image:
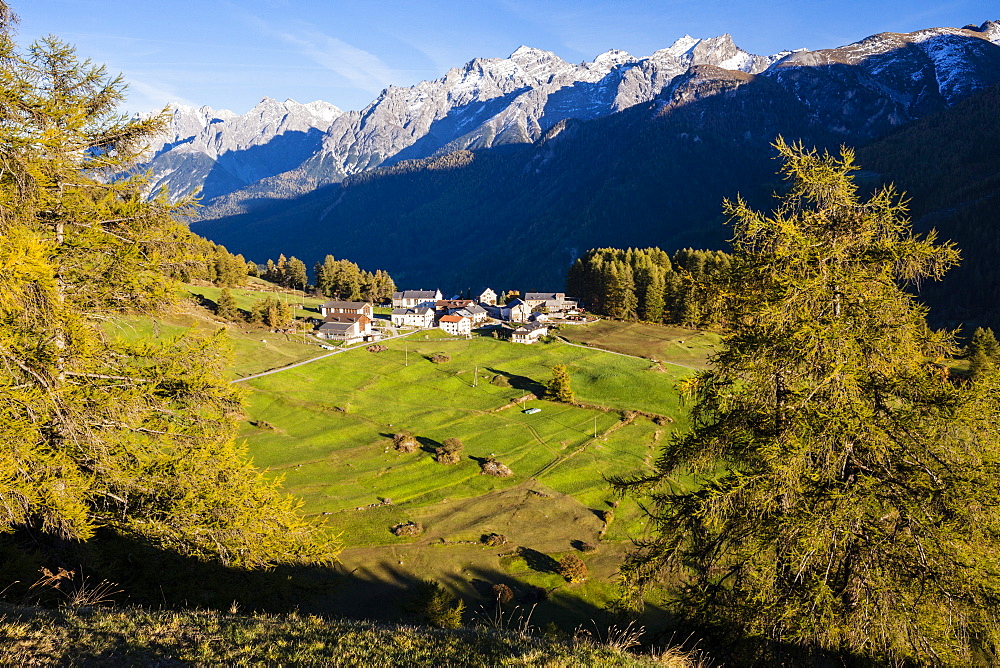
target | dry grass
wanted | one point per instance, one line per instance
(128, 637)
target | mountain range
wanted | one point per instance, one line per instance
(503, 171)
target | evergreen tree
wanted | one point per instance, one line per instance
(133, 436)
(296, 275)
(983, 352)
(558, 388)
(226, 307)
(848, 487)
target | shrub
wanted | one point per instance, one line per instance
(440, 358)
(606, 515)
(450, 451)
(500, 381)
(408, 529)
(495, 468)
(494, 539)
(572, 568)
(502, 594)
(437, 607)
(405, 442)
(587, 547)
(376, 348)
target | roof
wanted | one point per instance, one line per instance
(531, 326)
(351, 305)
(416, 294)
(546, 296)
(474, 309)
(452, 303)
(452, 318)
(516, 302)
(486, 290)
(336, 326)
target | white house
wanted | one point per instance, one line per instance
(475, 311)
(529, 333)
(485, 296)
(456, 325)
(552, 301)
(348, 332)
(414, 298)
(421, 316)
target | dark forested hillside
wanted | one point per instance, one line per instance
(949, 167)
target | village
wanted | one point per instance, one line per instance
(522, 319)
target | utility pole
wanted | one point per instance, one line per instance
(475, 377)
(595, 425)
(406, 352)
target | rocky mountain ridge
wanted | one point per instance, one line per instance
(487, 102)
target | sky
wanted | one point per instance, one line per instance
(229, 54)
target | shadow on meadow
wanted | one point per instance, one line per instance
(522, 383)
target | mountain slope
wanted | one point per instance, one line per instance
(652, 174)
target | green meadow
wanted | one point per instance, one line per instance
(326, 427)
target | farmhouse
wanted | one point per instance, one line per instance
(414, 298)
(449, 306)
(550, 301)
(356, 308)
(421, 316)
(475, 311)
(456, 325)
(485, 296)
(347, 332)
(529, 333)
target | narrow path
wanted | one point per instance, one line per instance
(320, 357)
(613, 352)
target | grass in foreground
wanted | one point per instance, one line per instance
(128, 637)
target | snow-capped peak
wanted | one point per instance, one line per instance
(682, 46)
(614, 57)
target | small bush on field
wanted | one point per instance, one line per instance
(440, 358)
(376, 348)
(606, 515)
(494, 539)
(572, 568)
(494, 468)
(405, 442)
(587, 547)
(408, 529)
(502, 593)
(500, 381)
(261, 424)
(436, 607)
(449, 452)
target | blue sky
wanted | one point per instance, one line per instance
(229, 54)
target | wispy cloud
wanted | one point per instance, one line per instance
(144, 96)
(359, 67)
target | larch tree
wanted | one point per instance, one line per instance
(558, 387)
(847, 488)
(95, 430)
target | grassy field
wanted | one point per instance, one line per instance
(255, 349)
(327, 428)
(668, 343)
